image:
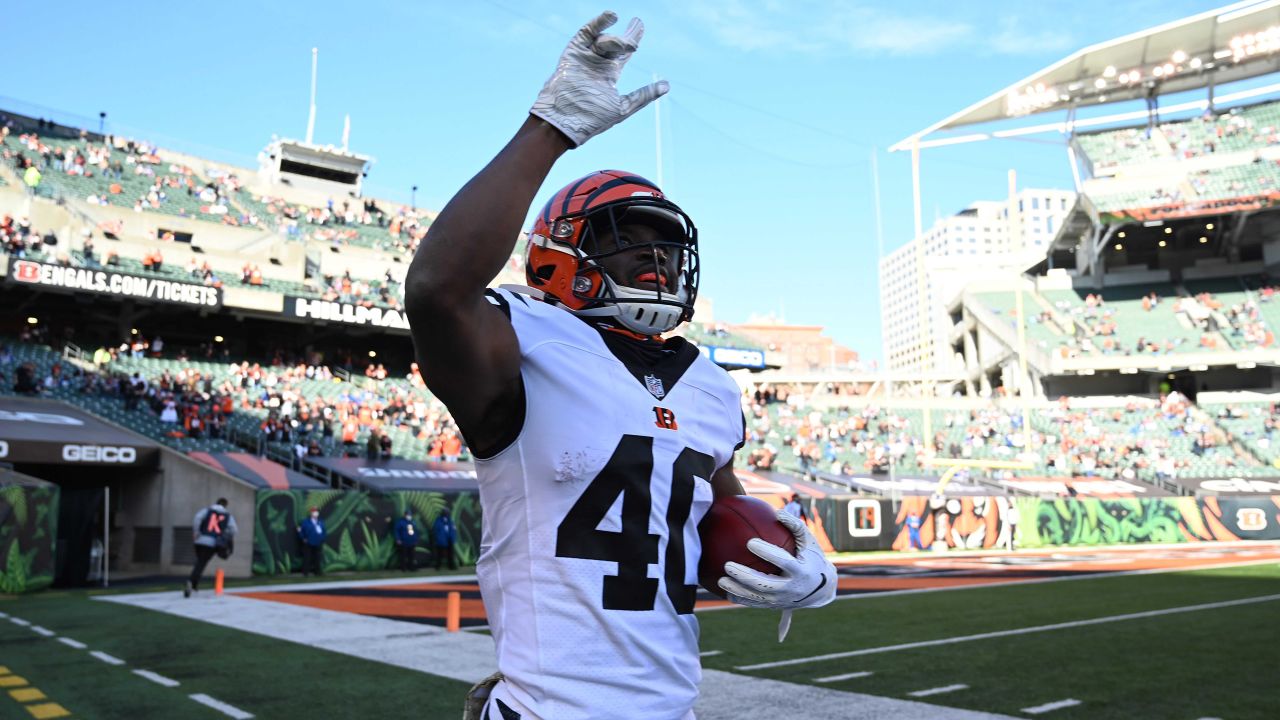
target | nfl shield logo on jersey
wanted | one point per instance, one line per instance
(655, 386)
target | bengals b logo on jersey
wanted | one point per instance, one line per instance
(665, 419)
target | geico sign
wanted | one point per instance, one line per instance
(98, 453)
(4, 449)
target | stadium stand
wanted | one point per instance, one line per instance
(1142, 439)
(1241, 129)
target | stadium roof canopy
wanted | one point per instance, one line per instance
(1232, 43)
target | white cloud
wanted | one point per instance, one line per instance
(838, 28)
(1012, 38)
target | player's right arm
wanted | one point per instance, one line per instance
(465, 346)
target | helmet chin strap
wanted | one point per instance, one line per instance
(641, 315)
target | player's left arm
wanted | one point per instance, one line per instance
(805, 580)
(725, 481)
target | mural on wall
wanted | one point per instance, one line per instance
(1147, 520)
(28, 533)
(972, 523)
(359, 526)
(968, 523)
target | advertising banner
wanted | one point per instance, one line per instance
(1231, 486)
(108, 282)
(400, 474)
(348, 313)
(734, 357)
(54, 433)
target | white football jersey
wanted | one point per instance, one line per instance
(589, 556)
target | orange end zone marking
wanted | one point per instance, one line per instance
(472, 609)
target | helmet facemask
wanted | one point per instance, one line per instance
(641, 310)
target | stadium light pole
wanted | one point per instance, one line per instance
(413, 197)
(922, 299)
(657, 124)
(102, 122)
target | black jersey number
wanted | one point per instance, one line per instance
(629, 473)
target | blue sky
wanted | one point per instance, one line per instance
(768, 132)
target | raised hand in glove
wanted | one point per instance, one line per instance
(581, 98)
(807, 579)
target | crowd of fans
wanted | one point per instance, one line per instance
(1210, 133)
(1093, 325)
(1144, 441)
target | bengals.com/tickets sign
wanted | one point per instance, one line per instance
(106, 282)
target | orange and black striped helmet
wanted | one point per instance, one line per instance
(563, 252)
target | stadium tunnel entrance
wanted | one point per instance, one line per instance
(124, 500)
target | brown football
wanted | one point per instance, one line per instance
(725, 530)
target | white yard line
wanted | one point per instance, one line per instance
(1030, 581)
(225, 709)
(353, 583)
(939, 690)
(4, 615)
(19, 621)
(709, 653)
(108, 659)
(846, 676)
(72, 643)
(1050, 707)
(156, 678)
(42, 631)
(1016, 631)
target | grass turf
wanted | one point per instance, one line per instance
(1211, 663)
(269, 678)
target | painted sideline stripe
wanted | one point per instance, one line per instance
(846, 676)
(72, 643)
(939, 690)
(709, 653)
(4, 615)
(19, 621)
(225, 709)
(1050, 707)
(1016, 631)
(42, 631)
(156, 678)
(108, 659)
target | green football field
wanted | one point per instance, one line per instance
(1198, 644)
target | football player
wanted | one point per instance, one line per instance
(598, 445)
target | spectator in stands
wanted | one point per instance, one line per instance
(372, 448)
(384, 444)
(24, 380)
(213, 531)
(406, 533)
(445, 535)
(311, 536)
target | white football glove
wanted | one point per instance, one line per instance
(581, 99)
(807, 579)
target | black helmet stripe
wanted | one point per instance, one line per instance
(568, 196)
(627, 180)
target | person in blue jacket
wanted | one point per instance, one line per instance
(407, 534)
(445, 534)
(312, 534)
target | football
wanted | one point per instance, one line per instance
(725, 530)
